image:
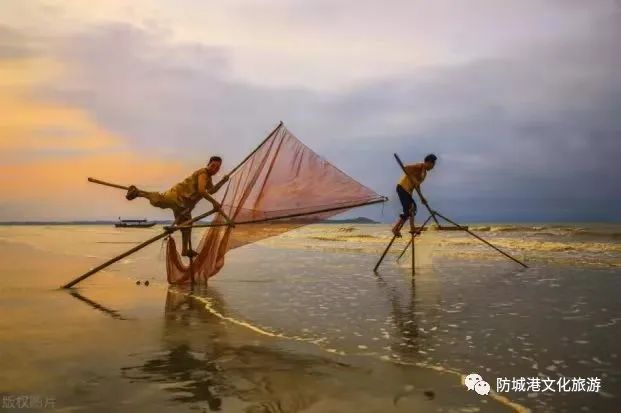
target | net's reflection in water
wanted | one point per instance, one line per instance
(207, 362)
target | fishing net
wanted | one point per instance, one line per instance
(281, 186)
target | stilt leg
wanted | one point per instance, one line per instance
(420, 230)
(191, 262)
(413, 234)
(384, 253)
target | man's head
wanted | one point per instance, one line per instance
(214, 164)
(430, 161)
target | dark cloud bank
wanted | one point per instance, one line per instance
(529, 136)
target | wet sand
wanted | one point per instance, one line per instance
(300, 323)
(115, 346)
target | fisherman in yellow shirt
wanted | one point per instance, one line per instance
(183, 197)
(416, 174)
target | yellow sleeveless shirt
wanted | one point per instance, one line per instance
(417, 172)
(186, 192)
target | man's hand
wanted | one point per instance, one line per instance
(219, 185)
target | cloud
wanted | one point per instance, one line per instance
(523, 133)
(47, 149)
(57, 188)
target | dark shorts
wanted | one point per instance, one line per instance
(166, 200)
(407, 202)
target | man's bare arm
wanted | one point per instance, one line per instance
(420, 194)
(215, 188)
(206, 190)
(412, 170)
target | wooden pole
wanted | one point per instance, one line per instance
(300, 214)
(100, 182)
(257, 148)
(191, 261)
(384, 253)
(412, 241)
(417, 233)
(211, 199)
(168, 231)
(482, 240)
(171, 229)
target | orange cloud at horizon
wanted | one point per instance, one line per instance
(47, 150)
(29, 125)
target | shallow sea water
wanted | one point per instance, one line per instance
(307, 304)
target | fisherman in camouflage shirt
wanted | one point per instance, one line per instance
(183, 197)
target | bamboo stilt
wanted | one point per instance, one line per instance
(384, 253)
(432, 215)
(417, 233)
(412, 242)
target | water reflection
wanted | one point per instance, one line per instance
(413, 311)
(108, 311)
(189, 374)
(207, 361)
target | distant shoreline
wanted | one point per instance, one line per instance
(359, 220)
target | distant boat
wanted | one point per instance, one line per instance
(134, 223)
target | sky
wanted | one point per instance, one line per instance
(520, 100)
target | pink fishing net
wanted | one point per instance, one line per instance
(283, 185)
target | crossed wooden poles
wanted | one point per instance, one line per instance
(216, 208)
(432, 215)
(168, 230)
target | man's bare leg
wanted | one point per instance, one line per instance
(158, 200)
(396, 229)
(186, 250)
(186, 233)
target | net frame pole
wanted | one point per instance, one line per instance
(232, 171)
(296, 215)
(482, 240)
(167, 231)
(189, 224)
